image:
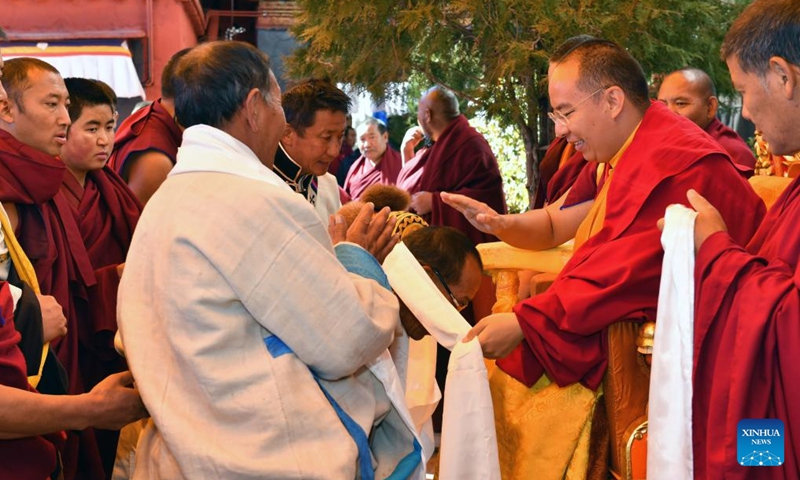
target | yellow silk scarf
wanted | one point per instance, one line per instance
(27, 274)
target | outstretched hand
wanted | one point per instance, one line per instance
(480, 215)
(370, 230)
(498, 334)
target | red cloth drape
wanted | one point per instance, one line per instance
(747, 332)
(149, 128)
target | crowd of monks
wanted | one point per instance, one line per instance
(74, 186)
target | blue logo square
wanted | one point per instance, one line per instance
(760, 442)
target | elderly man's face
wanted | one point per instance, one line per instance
(587, 125)
(319, 144)
(764, 103)
(41, 119)
(684, 98)
(372, 143)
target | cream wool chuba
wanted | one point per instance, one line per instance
(215, 262)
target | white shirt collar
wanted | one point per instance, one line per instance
(208, 149)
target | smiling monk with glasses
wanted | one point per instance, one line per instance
(559, 340)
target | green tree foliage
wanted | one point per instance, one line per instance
(506, 145)
(493, 53)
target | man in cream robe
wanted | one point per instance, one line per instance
(238, 320)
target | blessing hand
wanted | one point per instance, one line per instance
(480, 215)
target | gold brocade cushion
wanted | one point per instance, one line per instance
(542, 431)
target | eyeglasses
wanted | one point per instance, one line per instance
(456, 303)
(563, 117)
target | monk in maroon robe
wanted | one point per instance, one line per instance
(47, 230)
(614, 274)
(32, 425)
(105, 212)
(146, 144)
(459, 161)
(747, 308)
(690, 93)
(563, 326)
(615, 270)
(149, 128)
(379, 163)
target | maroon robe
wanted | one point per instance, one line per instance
(31, 458)
(51, 238)
(567, 175)
(459, 162)
(556, 179)
(747, 332)
(615, 275)
(733, 144)
(362, 173)
(149, 128)
(106, 212)
(548, 166)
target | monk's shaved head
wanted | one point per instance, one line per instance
(699, 79)
(442, 101)
(438, 107)
(690, 93)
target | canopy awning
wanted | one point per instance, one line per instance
(106, 60)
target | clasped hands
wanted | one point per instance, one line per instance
(370, 230)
